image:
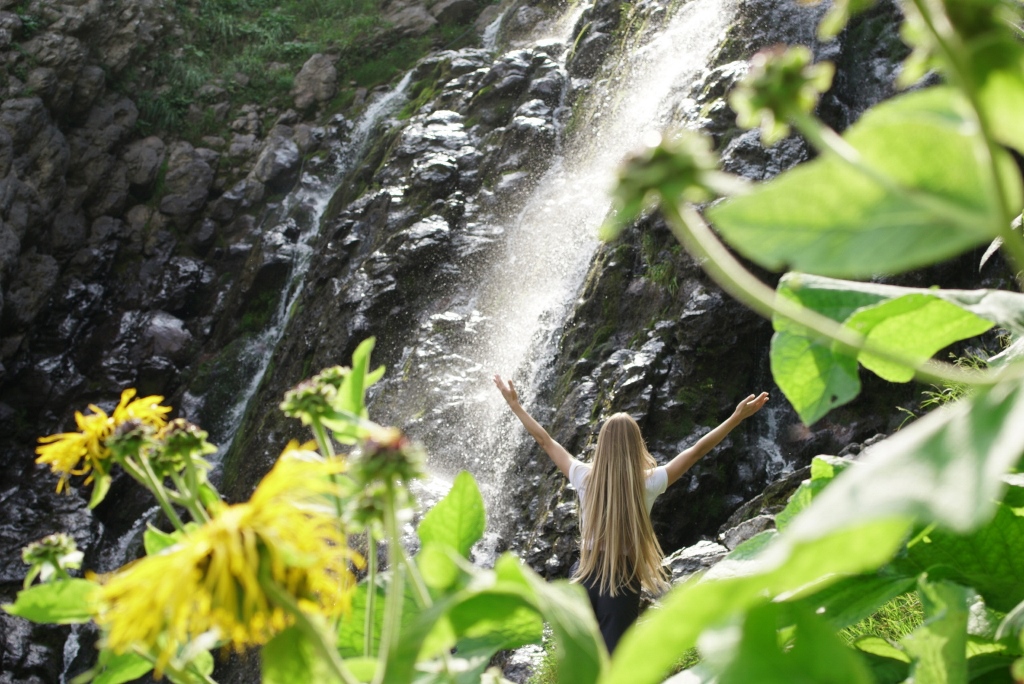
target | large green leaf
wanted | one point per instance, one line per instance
(579, 648)
(816, 654)
(117, 669)
(824, 469)
(998, 68)
(352, 630)
(788, 564)
(831, 218)
(813, 377)
(63, 602)
(939, 646)
(989, 559)
(917, 325)
(457, 520)
(817, 375)
(947, 467)
(513, 591)
(291, 658)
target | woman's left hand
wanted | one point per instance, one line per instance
(750, 405)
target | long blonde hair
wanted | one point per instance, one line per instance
(618, 547)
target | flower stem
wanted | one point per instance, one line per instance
(371, 592)
(396, 591)
(144, 475)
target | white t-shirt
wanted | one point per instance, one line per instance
(657, 482)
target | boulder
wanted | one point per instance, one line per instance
(316, 82)
(187, 181)
(278, 165)
(143, 159)
(410, 21)
(453, 11)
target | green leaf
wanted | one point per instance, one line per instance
(495, 621)
(818, 375)
(813, 377)
(916, 325)
(156, 540)
(946, 467)
(823, 470)
(939, 646)
(352, 630)
(352, 393)
(852, 599)
(64, 602)
(989, 559)
(438, 569)
(997, 64)
(791, 563)
(290, 658)
(100, 487)
(117, 669)
(888, 664)
(457, 520)
(831, 218)
(816, 654)
(579, 648)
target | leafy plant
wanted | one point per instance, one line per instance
(276, 572)
(935, 508)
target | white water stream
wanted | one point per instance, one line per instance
(524, 295)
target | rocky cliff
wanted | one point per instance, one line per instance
(137, 260)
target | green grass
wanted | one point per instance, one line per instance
(267, 42)
(893, 621)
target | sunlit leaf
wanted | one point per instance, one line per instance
(291, 658)
(997, 64)
(917, 326)
(823, 470)
(816, 654)
(817, 375)
(946, 467)
(117, 669)
(830, 218)
(648, 650)
(63, 602)
(457, 520)
(155, 540)
(852, 599)
(989, 559)
(939, 646)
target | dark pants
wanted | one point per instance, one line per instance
(614, 613)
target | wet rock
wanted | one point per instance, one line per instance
(453, 11)
(409, 19)
(735, 536)
(697, 558)
(143, 159)
(316, 82)
(166, 335)
(187, 181)
(278, 165)
(30, 288)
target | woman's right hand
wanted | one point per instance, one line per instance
(507, 390)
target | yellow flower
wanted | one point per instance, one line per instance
(78, 453)
(286, 534)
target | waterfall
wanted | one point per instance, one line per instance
(507, 320)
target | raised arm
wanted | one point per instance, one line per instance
(555, 451)
(686, 458)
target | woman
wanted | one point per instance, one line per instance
(619, 553)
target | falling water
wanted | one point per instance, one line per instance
(511, 318)
(300, 212)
